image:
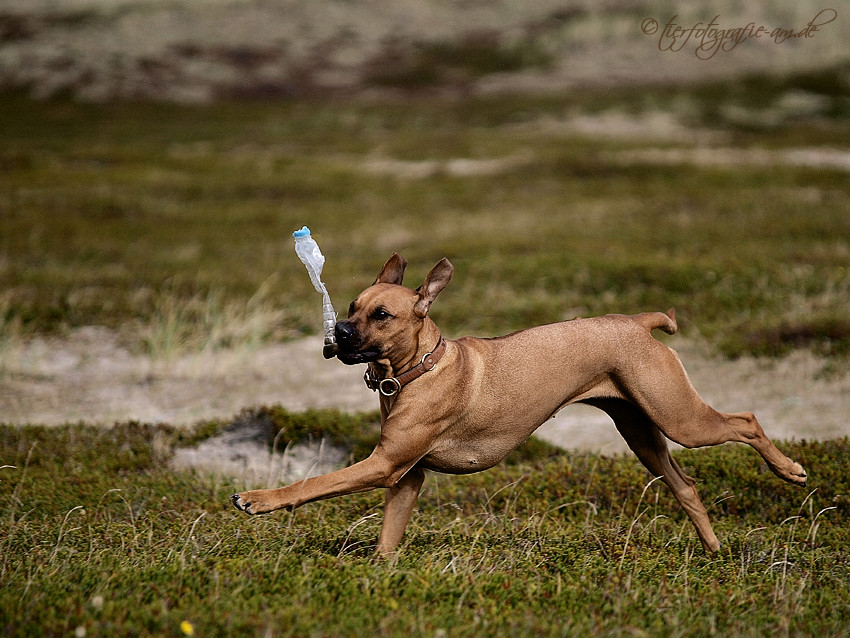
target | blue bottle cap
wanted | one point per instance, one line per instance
(304, 232)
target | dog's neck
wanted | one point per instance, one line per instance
(427, 339)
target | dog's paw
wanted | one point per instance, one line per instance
(793, 473)
(259, 501)
(240, 504)
(798, 474)
(245, 503)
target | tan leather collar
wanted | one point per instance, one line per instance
(392, 385)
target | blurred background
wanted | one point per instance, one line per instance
(570, 161)
(196, 51)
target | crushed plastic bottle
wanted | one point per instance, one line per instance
(308, 252)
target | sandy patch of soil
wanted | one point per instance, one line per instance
(90, 376)
(244, 451)
(832, 158)
(454, 167)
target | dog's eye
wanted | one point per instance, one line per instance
(380, 314)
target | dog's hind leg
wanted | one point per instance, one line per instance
(670, 401)
(398, 506)
(650, 446)
(747, 429)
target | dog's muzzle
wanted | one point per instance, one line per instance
(350, 346)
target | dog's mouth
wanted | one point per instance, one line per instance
(362, 356)
(350, 346)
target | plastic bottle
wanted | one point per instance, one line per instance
(308, 252)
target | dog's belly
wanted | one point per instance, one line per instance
(463, 459)
(464, 451)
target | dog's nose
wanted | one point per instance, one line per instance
(343, 331)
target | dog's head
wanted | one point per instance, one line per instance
(386, 317)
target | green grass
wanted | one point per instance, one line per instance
(97, 532)
(174, 223)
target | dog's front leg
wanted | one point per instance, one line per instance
(369, 474)
(398, 506)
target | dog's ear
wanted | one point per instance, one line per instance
(435, 281)
(393, 270)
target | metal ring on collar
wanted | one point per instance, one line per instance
(428, 363)
(394, 388)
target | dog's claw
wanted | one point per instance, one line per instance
(236, 499)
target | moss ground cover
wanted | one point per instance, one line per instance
(100, 535)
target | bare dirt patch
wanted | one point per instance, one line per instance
(245, 451)
(831, 158)
(455, 167)
(92, 376)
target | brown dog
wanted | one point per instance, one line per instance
(471, 401)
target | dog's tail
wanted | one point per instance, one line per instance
(653, 320)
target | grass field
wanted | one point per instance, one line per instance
(99, 537)
(172, 226)
(177, 221)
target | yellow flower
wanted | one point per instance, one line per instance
(187, 628)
